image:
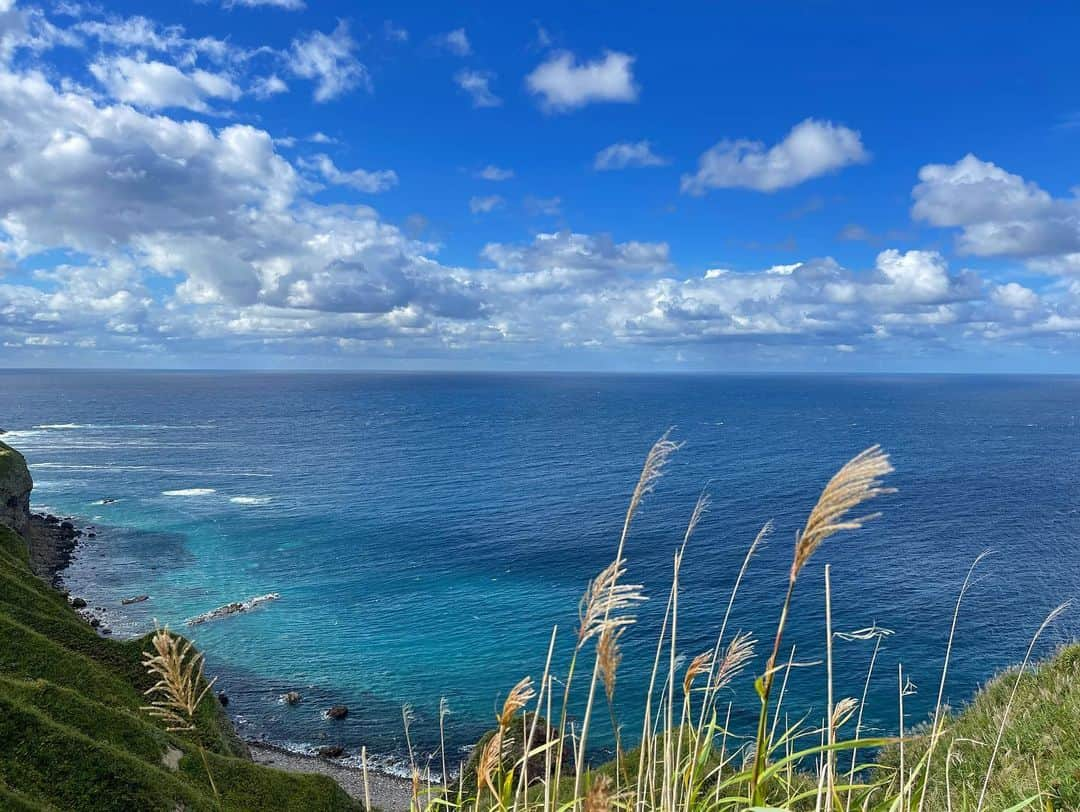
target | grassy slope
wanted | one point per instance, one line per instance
(71, 733)
(10, 459)
(1039, 751)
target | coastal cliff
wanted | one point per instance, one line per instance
(15, 486)
(74, 734)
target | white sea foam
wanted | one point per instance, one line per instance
(151, 468)
(190, 492)
(251, 500)
(61, 426)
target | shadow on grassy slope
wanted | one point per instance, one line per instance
(72, 735)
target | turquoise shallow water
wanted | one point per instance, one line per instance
(425, 532)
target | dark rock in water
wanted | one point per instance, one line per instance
(337, 712)
(105, 630)
(223, 698)
(292, 698)
(91, 535)
(136, 599)
(95, 622)
(78, 603)
(107, 501)
(331, 751)
(51, 519)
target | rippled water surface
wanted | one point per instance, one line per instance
(425, 532)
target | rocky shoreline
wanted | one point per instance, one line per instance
(52, 542)
(387, 792)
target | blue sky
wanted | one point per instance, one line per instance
(779, 186)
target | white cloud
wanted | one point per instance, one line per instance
(195, 240)
(265, 87)
(999, 213)
(567, 261)
(359, 179)
(217, 211)
(495, 173)
(29, 29)
(137, 36)
(626, 155)
(813, 148)
(1015, 296)
(456, 42)
(485, 204)
(288, 5)
(564, 85)
(330, 61)
(478, 85)
(156, 85)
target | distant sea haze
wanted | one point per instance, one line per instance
(426, 532)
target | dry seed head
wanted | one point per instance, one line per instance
(843, 711)
(651, 471)
(604, 599)
(737, 655)
(520, 695)
(698, 666)
(600, 796)
(490, 762)
(179, 669)
(760, 539)
(700, 509)
(609, 656)
(857, 482)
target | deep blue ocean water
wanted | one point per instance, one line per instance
(426, 531)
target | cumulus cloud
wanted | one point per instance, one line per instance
(998, 213)
(485, 204)
(359, 179)
(330, 61)
(456, 42)
(1015, 296)
(265, 87)
(157, 85)
(813, 148)
(478, 85)
(179, 238)
(29, 29)
(568, 261)
(563, 85)
(625, 155)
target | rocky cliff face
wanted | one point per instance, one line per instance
(15, 485)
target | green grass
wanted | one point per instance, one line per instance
(72, 735)
(13, 469)
(1040, 745)
(10, 461)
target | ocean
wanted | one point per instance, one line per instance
(425, 532)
